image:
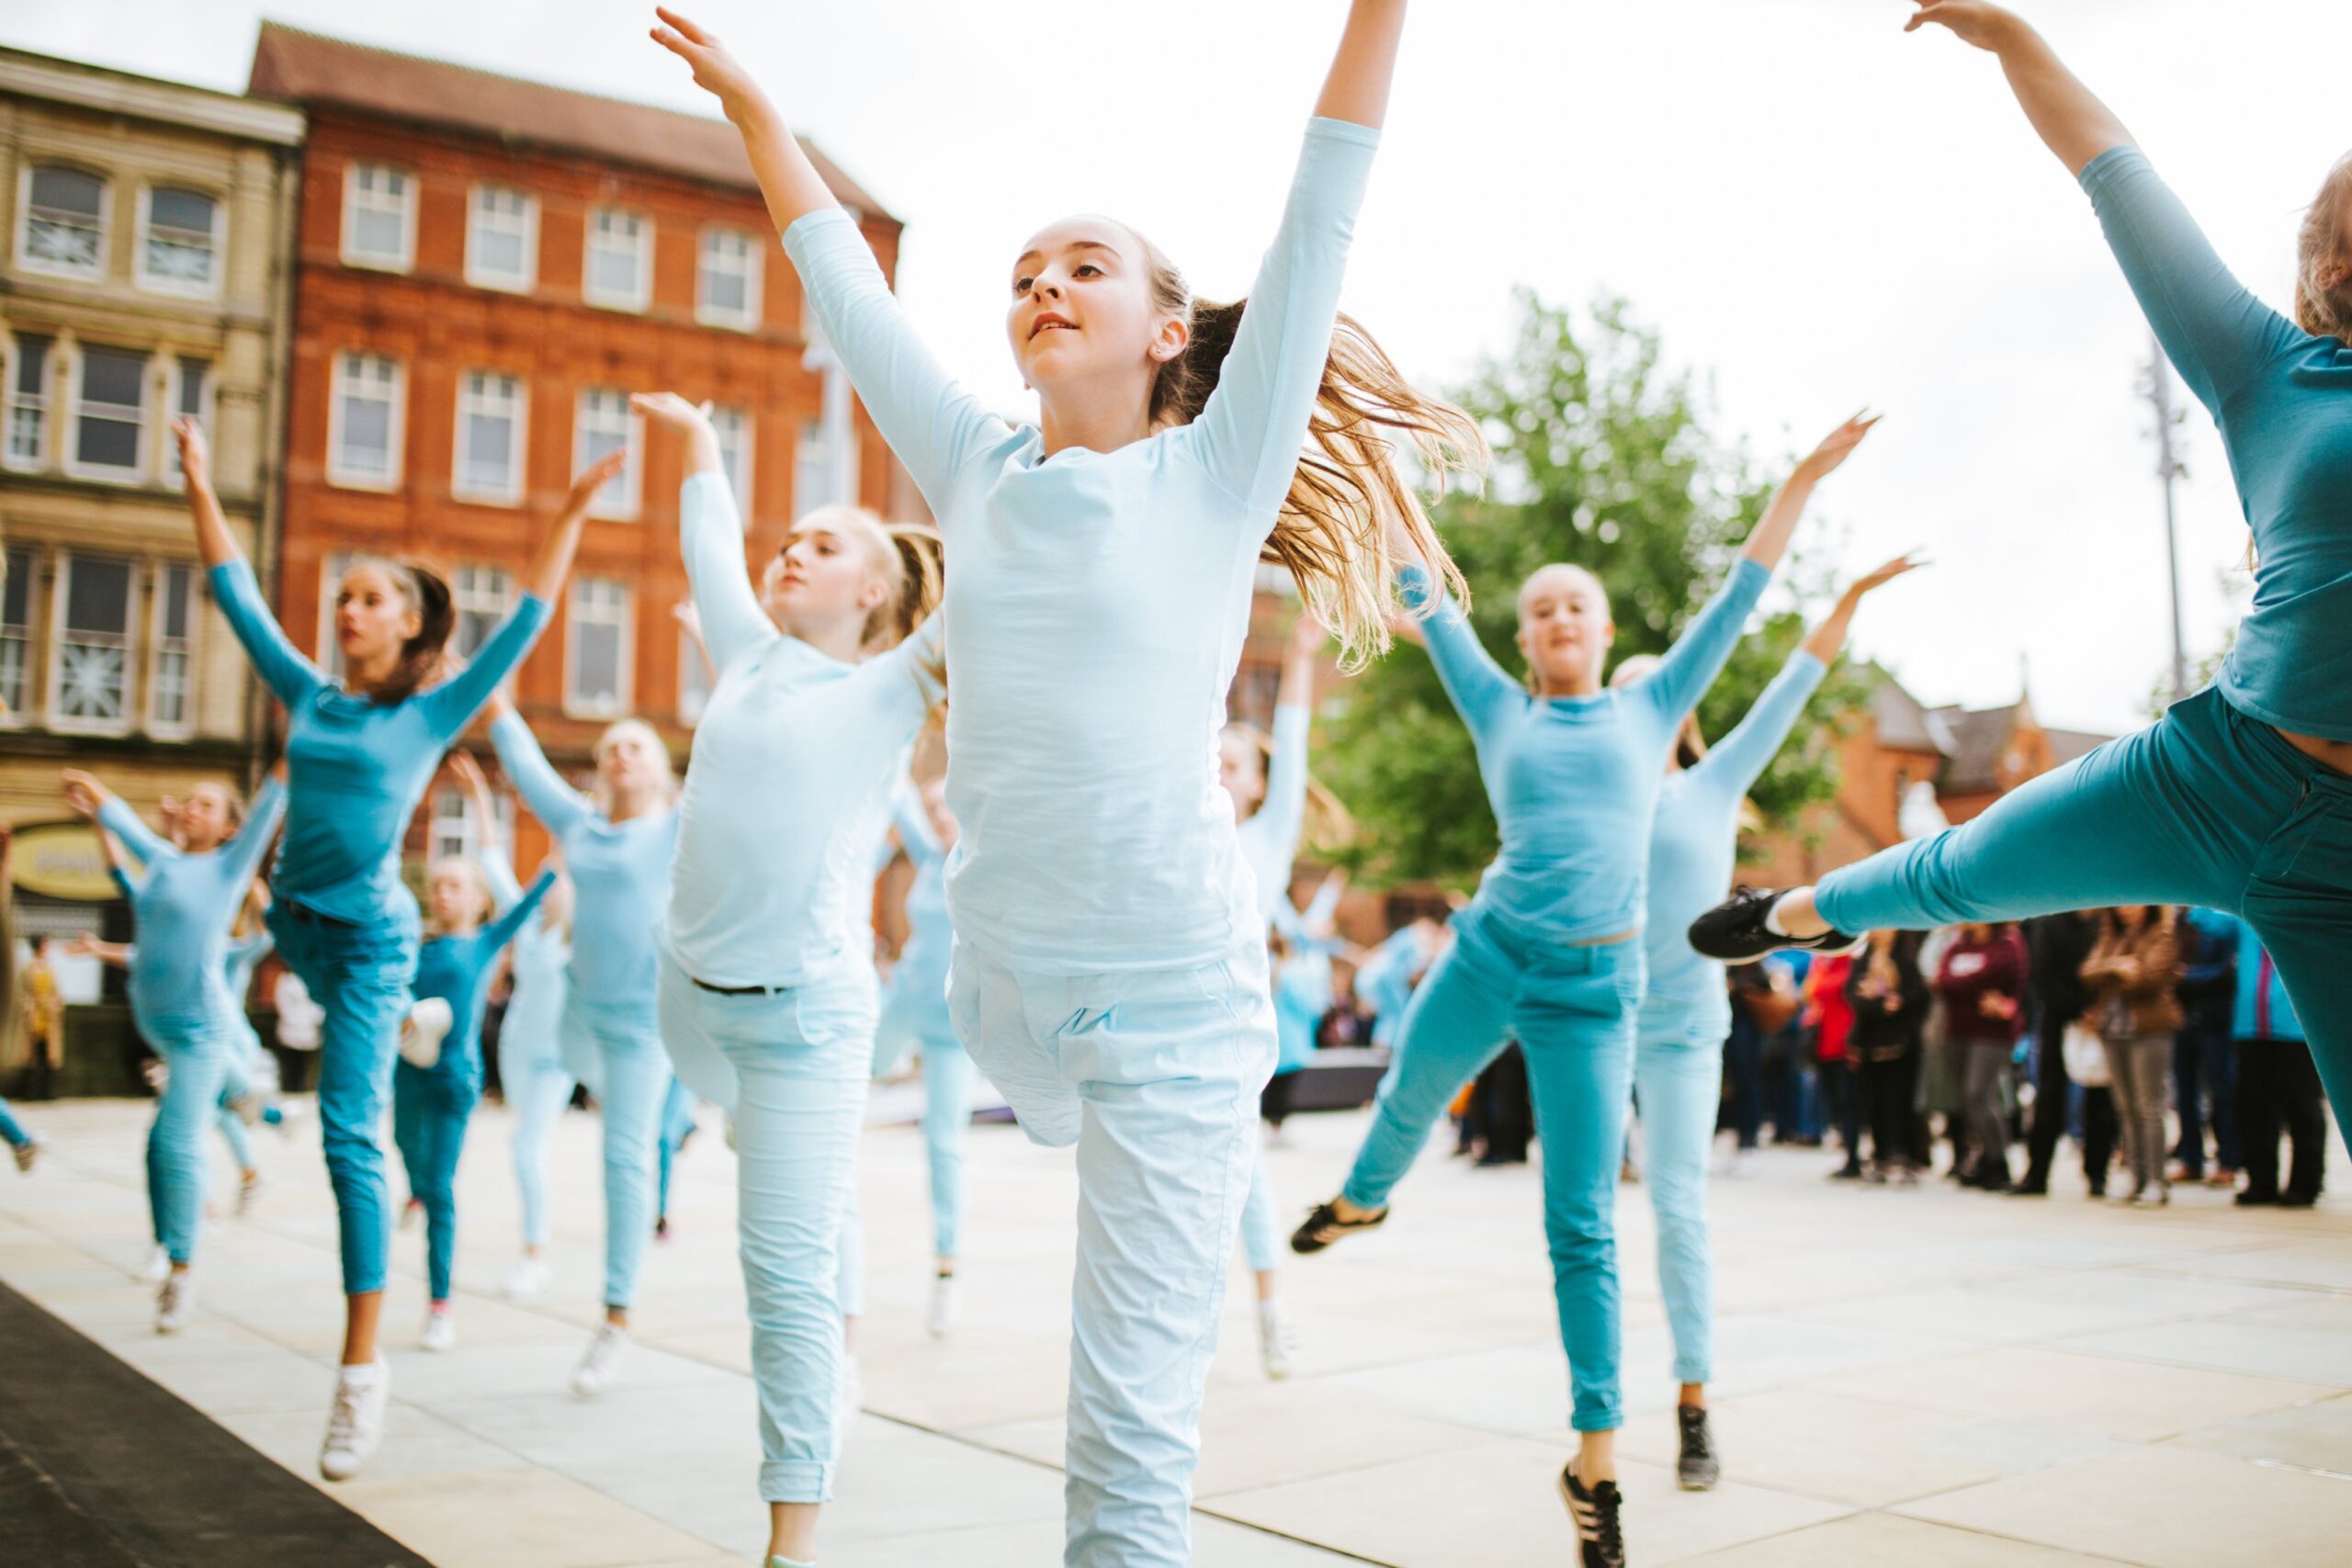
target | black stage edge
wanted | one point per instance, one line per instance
(100, 1467)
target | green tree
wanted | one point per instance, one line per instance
(1603, 458)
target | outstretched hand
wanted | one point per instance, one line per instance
(84, 792)
(1971, 21)
(672, 411)
(1836, 447)
(196, 453)
(592, 478)
(717, 71)
(1884, 575)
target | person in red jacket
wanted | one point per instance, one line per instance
(1982, 983)
(1831, 1013)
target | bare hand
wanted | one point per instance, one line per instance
(471, 778)
(1308, 634)
(673, 412)
(1407, 628)
(84, 792)
(717, 71)
(196, 453)
(1836, 447)
(1971, 21)
(592, 478)
(1884, 575)
(83, 945)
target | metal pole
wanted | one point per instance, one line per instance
(2167, 470)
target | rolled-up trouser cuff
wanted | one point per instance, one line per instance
(797, 1480)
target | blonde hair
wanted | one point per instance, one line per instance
(1327, 825)
(2321, 250)
(611, 738)
(1331, 535)
(473, 874)
(909, 559)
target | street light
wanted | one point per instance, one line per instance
(2157, 387)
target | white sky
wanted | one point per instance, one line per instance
(1816, 210)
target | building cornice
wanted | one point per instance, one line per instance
(166, 103)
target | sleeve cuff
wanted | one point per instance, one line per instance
(2110, 165)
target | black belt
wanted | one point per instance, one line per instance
(740, 991)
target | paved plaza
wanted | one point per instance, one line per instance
(1930, 1378)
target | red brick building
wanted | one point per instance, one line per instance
(485, 268)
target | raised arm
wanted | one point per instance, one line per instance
(1481, 691)
(2211, 325)
(240, 856)
(93, 802)
(710, 535)
(1769, 541)
(553, 801)
(496, 860)
(501, 930)
(214, 544)
(290, 677)
(1691, 666)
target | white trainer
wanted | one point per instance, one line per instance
(175, 1301)
(596, 1369)
(422, 1032)
(247, 1190)
(153, 1271)
(440, 1330)
(27, 1152)
(528, 1278)
(1277, 1345)
(940, 1317)
(355, 1423)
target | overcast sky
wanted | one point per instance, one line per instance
(1817, 212)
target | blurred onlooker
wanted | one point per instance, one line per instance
(42, 997)
(1763, 1004)
(1889, 999)
(1981, 982)
(2278, 1085)
(1831, 1016)
(2203, 1064)
(2055, 948)
(2132, 970)
(1501, 1113)
(1939, 1075)
(1791, 1082)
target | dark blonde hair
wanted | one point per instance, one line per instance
(437, 614)
(2321, 249)
(1331, 535)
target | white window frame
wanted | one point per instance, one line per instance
(26, 260)
(149, 282)
(202, 413)
(406, 260)
(41, 402)
(710, 315)
(159, 645)
(635, 301)
(478, 589)
(461, 483)
(741, 471)
(338, 383)
(71, 455)
(623, 506)
(27, 563)
(481, 277)
(451, 804)
(578, 613)
(811, 436)
(61, 598)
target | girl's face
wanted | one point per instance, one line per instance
(2131, 915)
(934, 807)
(1241, 769)
(630, 762)
(373, 618)
(821, 577)
(1564, 628)
(207, 818)
(1082, 313)
(454, 892)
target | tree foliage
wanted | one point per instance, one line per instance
(1602, 457)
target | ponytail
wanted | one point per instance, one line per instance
(2323, 259)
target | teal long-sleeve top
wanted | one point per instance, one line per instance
(1574, 780)
(2282, 398)
(184, 904)
(1097, 603)
(1694, 839)
(620, 872)
(356, 767)
(457, 970)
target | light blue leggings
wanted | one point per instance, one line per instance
(12, 1132)
(1262, 1241)
(1571, 1009)
(531, 1075)
(237, 1081)
(914, 1017)
(2208, 806)
(800, 1063)
(627, 1071)
(677, 1121)
(193, 1049)
(1679, 1081)
(361, 976)
(430, 1111)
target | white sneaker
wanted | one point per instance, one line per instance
(941, 1318)
(175, 1301)
(247, 1190)
(440, 1330)
(355, 1423)
(422, 1032)
(1276, 1344)
(26, 1152)
(290, 1115)
(848, 1394)
(526, 1278)
(596, 1369)
(155, 1271)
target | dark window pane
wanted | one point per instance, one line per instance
(67, 190)
(192, 385)
(169, 209)
(108, 376)
(16, 593)
(106, 443)
(32, 365)
(175, 600)
(98, 597)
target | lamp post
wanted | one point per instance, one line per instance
(2168, 468)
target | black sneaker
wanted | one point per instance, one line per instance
(1733, 930)
(1600, 1538)
(1324, 1226)
(1696, 1468)
(2294, 1199)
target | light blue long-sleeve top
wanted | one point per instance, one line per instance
(2283, 400)
(240, 959)
(1384, 982)
(1303, 979)
(1694, 840)
(457, 970)
(356, 768)
(930, 934)
(542, 953)
(619, 871)
(794, 760)
(1098, 602)
(1270, 836)
(184, 904)
(1574, 780)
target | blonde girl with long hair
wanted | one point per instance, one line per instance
(1111, 975)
